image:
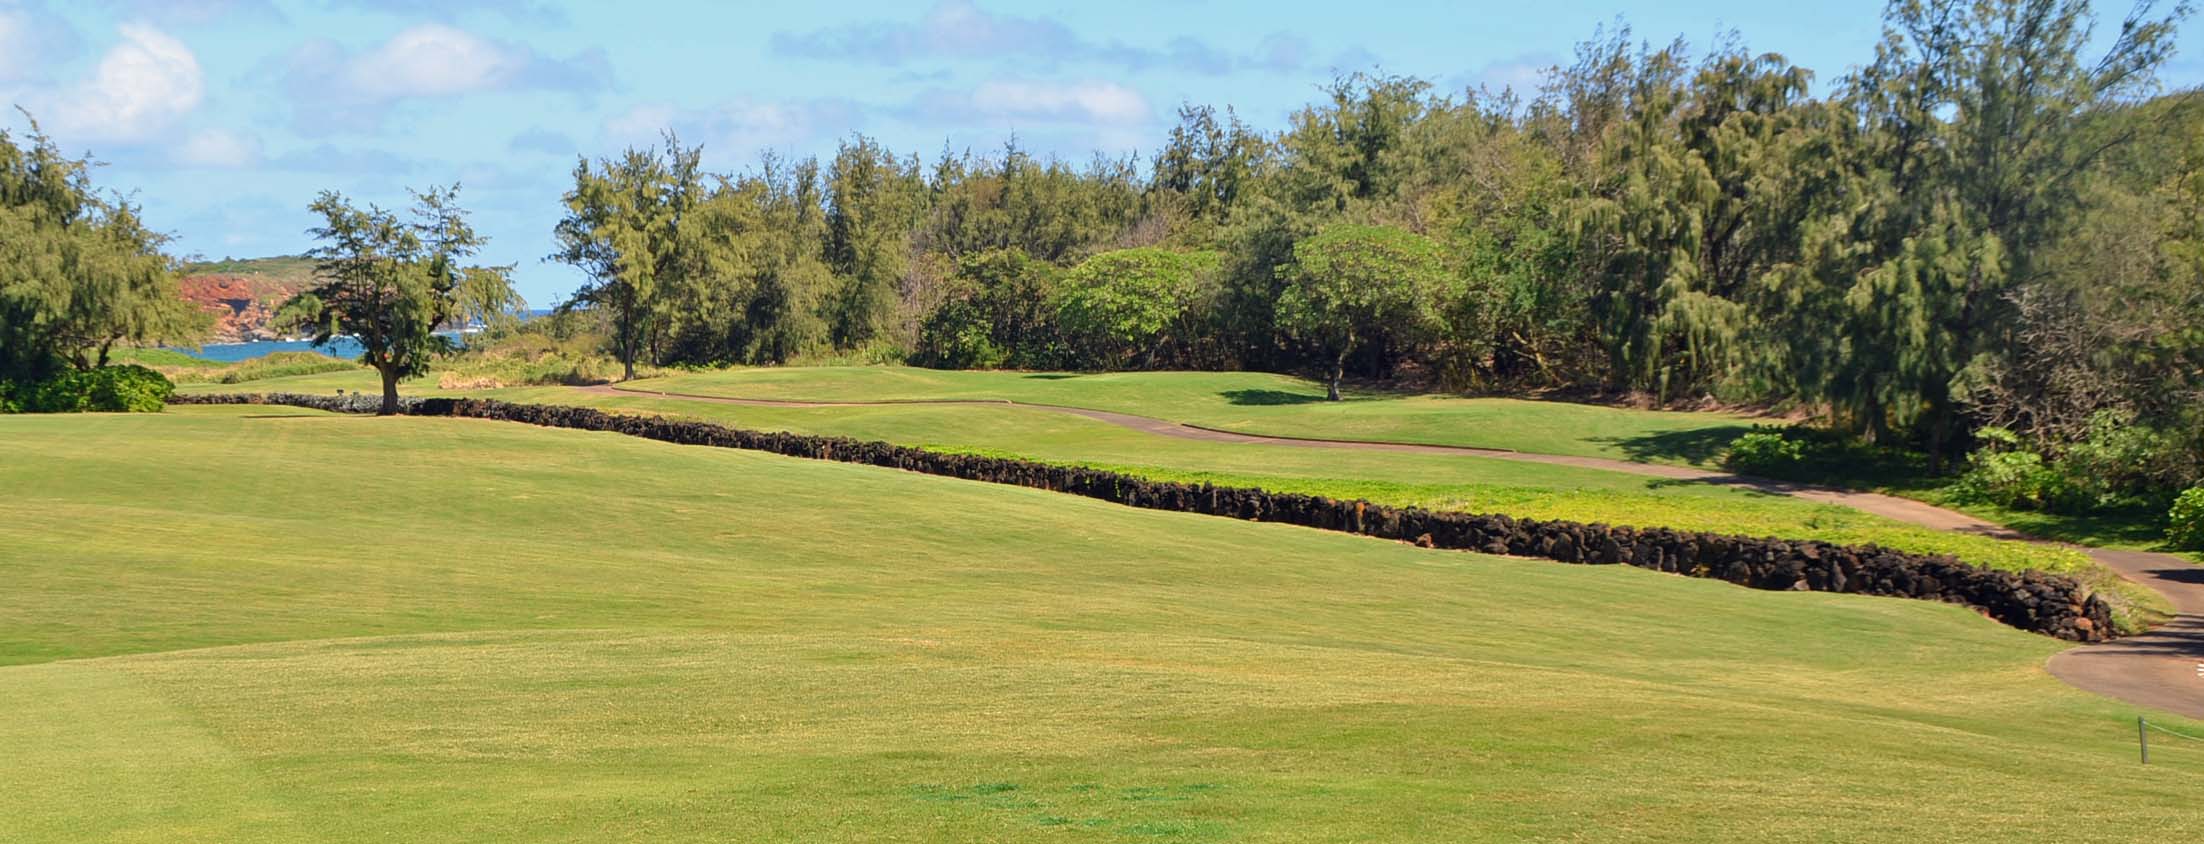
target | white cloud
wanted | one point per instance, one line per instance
(1092, 103)
(333, 88)
(739, 127)
(1097, 102)
(961, 30)
(642, 122)
(219, 149)
(140, 88)
(432, 60)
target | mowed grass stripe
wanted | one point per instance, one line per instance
(575, 636)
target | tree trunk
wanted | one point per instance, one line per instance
(1339, 371)
(627, 348)
(390, 390)
(1940, 439)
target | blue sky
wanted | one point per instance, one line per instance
(225, 117)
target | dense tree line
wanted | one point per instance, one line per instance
(1982, 225)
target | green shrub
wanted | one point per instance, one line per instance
(2185, 522)
(128, 388)
(2005, 473)
(1821, 456)
(2125, 464)
(957, 336)
(1766, 453)
(11, 400)
(68, 392)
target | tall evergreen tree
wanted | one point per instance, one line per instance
(1960, 153)
(623, 229)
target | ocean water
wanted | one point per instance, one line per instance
(337, 347)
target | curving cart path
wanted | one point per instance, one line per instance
(2162, 669)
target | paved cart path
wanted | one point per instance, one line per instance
(2162, 669)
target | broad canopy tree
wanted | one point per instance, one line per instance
(1133, 304)
(1352, 285)
(391, 281)
(80, 272)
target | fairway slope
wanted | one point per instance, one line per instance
(1255, 403)
(261, 624)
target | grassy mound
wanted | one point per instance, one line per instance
(537, 635)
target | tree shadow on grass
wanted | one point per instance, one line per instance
(1051, 376)
(1268, 397)
(1697, 447)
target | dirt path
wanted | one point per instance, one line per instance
(2163, 669)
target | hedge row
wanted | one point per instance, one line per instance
(2048, 604)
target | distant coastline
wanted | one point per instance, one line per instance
(338, 347)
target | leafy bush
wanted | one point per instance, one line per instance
(2185, 522)
(1822, 456)
(2117, 466)
(129, 388)
(2005, 473)
(1766, 453)
(10, 398)
(2123, 464)
(957, 335)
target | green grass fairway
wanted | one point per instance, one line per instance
(251, 624)
(1464, 483)
(1281, 405)
(1261, 403)
(1251, 402)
